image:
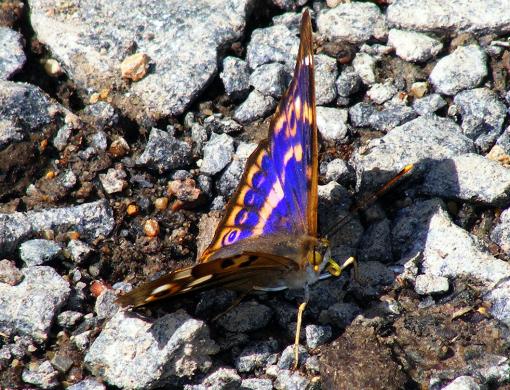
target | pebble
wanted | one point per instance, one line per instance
(337, 170)
(348, 82)
(61, 362)
(483, 115)
(257, 384)
(119, 147)
(465, 68)
(292, 20)
(113, 180)
(246, 317)
(184, 190)
(379, 93)
(391, 116)
(69, 318)
(286, 361)
(38, 251)
(326, 72)
(270, 79)
(361, 113)
(218, 152)
(463, 383)
(135, 66)
(431, 284)
(288, 379)
(256, 356)
(364, 66)
(501, 232)
(9, 273)
(101, 115)
(179, 40)
(480, 17)
(236, 77)
(414, 46)
(317, 335)
(214, 124)
(332, 124)
(165, 152)
(230, 177)
(79, 251)
(352, 22)
(87, 384)
(42, 375)
(256, 106)
(429, 104)
(134, 352)
(105, 306)
(30, 307)
(375, 244)
(12, 56)
(62, 137)
(222, 378)
(272, 44)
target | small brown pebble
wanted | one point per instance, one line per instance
(419, 89)
(119, 148)
(52, 67)
(50, 175)
(135, 66)
(48, 234)
(151, 228)
(161, 203)
(97, 287)
(73, 235)
(43, 145)
(132, 209)
(184, 190)
(177, 205)
(9, 273)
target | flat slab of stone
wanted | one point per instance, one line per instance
(181, 39)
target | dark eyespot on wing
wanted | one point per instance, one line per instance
(227, 263)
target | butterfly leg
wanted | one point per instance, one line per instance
(336, 270)
(300, 312)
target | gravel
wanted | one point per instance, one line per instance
(37, 252)
(430, 284)
(12, 56)
(256, 106)
(364, 66)
(412, 46)
(270, 79)
(246, 317)
(332, 124)
(326, 72)
(348, 82)
(218, 152)
(235, 77)
(429, 104)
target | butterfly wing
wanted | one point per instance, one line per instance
(278, 191)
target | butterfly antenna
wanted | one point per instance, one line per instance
(370, 199)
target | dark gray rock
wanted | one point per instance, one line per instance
(218, 152)
(483, 115)
(216, 124)
(379, 93)
(43, 376)
(256, 356)
(480, 17)
(337, 170)
(256, 106)
(326, 72)
(235, 77)
(222, 378)
(12, 56)
(420, 141)
(62, 137)
(89, 219)
(348, 82)
(133, 352)
(289, 4)
(229, 179)
(364, 66)
(425, 229)
(352, 22)
(459, 177)
(246, 317)
(87, 384)
(431, 284)
(286, 361)
(105, 306)
(375, 244)
(501, 232)
(165, 152)
(38, 251)
(182, 41)
(291, 20)
(391, 116)
(339, 314)
(257, 384)
(332, 124)
(272, 44)
(465, 68)
(413, 46)
(361, 113)
(69, 318)
(317, 335)
(289, 379)
(101, 115)
(429, 104)
(270, 79)
(79, 251)
(30, 307)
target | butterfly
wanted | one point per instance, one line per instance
(267, 239)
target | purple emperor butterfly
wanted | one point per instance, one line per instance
(267, 239)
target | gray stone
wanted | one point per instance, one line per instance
(222, 378)
(479, 16)
(246, 317)
(79, 251)
(286, 361)
(69, 318)
(465, 68)
(292, 20)
(469, 177)
(87, 384)
(61, 362)
(99, 141)
(375, 244)
(218, 152)
(374, 278)
(256, 356)
(352, 22)
(62, 137)
(289, 379)
(9, 273)
(364, 66)
(38, 251)
(165, 152)
(420, 141)
(81, 340)
(288, 4)
(256, 106)
(501, 232)
(391, 116)
(67, 179)
(379, 93)
(361, 113)
(339, 314)
(24, 109)
(135, 353)
(337, 170)
(317, 335)
(483, 115)
(504, 141)
(413, 46)
(181, 39)
(463, 383)
(42, 375)
(272, 44)
(348, 82)
(429, 104)
(89, 219)
(270, 79)
(446, 250)
(331, 123)
(113, 180)
(229, 179)
(105, 306)
(29, 307)
(326, 72)
(257, 384)
(431, 284)
(199, 137)
(235, 77)
(101, 115)
(214, 124)
(12, 56)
